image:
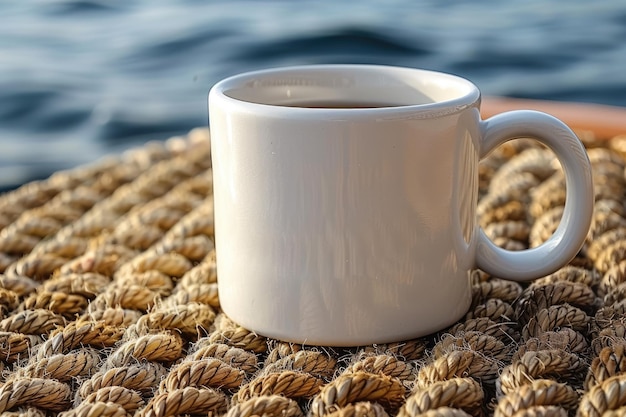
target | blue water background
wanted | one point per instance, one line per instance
(83, 78)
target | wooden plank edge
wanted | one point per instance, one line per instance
(605, 121)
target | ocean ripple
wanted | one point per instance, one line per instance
(82, 78)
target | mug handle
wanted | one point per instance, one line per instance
(570, 235)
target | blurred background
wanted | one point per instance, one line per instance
(83, 78)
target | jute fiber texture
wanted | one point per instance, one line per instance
(109, 305)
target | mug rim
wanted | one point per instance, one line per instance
(469, 97)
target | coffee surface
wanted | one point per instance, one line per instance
(341, 105)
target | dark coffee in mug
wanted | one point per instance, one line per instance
(341, 105)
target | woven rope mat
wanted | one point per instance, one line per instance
(109, 305)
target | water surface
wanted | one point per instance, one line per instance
(83, 78)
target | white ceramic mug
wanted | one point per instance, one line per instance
(356, 225)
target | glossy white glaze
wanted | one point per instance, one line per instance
(357, 226)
